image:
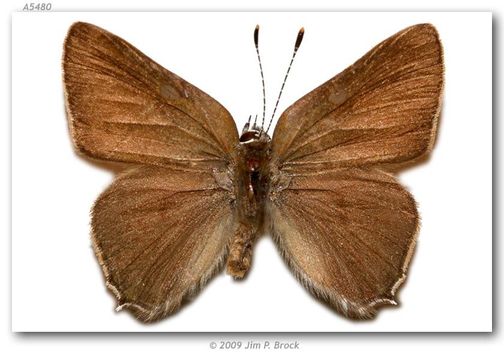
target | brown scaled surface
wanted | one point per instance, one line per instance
(190, 196)
(348, 236)
(122, 106)
(381, 110)
(160, 235)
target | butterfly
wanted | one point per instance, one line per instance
(196, 195)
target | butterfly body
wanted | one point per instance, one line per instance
(252, 177)
(196, 195)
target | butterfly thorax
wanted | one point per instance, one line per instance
(251, 187)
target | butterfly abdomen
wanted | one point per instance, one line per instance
(251, 187)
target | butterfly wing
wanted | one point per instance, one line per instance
(348, 236)
(122, 106)
(346, 228)
(381, 111)
(160, 234)
(162, 228)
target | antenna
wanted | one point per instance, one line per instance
(296, 47)
(256, 42)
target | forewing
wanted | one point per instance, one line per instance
(348, 236)
(382, 110)
(160, 234)
(122, 106)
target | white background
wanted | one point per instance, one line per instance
(56, 282)
(356, 346)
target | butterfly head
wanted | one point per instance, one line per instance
(253, 134)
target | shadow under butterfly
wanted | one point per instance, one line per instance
(197, 195)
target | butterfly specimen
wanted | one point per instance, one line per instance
(196, 194)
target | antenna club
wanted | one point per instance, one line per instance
(296, 46)
(299, 39)
(256, 42)
(256, 36)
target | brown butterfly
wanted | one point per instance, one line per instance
(196, 194)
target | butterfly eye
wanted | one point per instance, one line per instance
(249, 136)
